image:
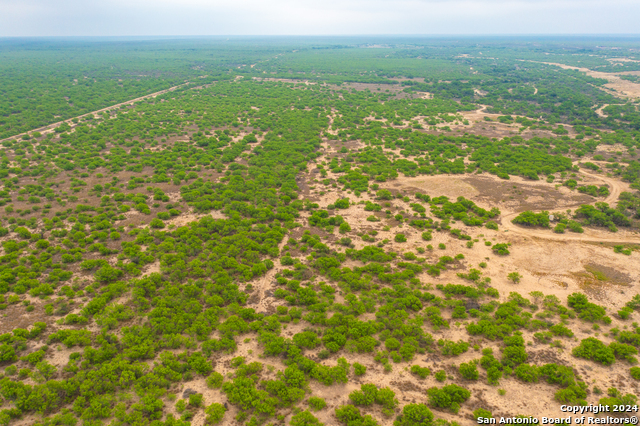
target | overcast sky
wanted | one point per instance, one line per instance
(316, 17)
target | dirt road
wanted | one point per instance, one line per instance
(616, 87)
(589, 235)
(49, 128)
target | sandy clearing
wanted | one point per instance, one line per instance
(187, 218)
(438, 184)
(590, 234)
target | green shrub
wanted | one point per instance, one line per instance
(561, 330)
(195, 399)
(514, 276)
(214, 380)
(344, 228)
(414, 415)
(501, 249)
(7, 353)
(574, 394)
(370, 394)
(586, 310)
(450, 396)
(625, 313)
(317, 403)
(513, 356)
(570, 183)
(491, 225)
(342, 203)
(575, 227)
(384, 194)
(529, 218)
(448, 347)
(365, 396)
(527, 373)
(156, 224)
(624, 351)
(494, 375)
(350, 415)
(359, 369)
(387, 398)
(593, 349)
(421, 372)
(469, 371)
(22, 232)
(615, 400)
(214, 413)
(560, 228)
(622, 250)
(482, 413)
(305, 418)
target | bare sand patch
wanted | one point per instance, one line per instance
(449, 185)
(187, 218)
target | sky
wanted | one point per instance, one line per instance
(19, 18)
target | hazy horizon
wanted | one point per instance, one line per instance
(171, 18)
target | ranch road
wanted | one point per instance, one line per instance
(49, 127)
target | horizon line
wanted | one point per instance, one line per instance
(333, 35)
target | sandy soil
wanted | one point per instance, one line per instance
(557, 265)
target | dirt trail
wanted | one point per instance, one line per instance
(600, 112)
(49, 127)
(616, 86)
(616, 187)
(589, 235)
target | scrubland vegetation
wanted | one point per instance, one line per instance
(263, 245)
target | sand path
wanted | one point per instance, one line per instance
(600, 112)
